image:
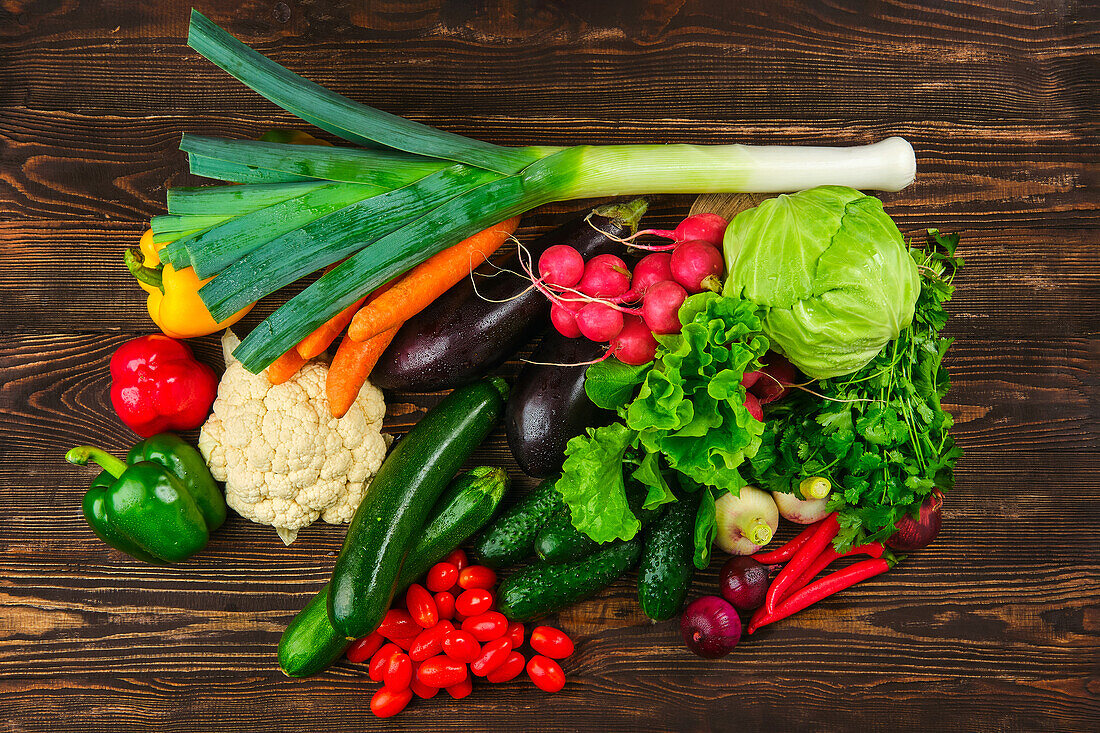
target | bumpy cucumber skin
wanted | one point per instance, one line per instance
(511, 537)
(545, 588)
(667, 565)
(395, 510)
(560, 541)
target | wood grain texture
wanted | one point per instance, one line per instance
(996, 627)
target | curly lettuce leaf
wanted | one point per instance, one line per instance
(648, 473)
(592, 483)
(610, 383)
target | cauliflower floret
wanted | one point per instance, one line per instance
(284, 459)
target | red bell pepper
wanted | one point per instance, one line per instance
(158, 385)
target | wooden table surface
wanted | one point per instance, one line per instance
(994, 628)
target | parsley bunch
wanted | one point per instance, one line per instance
(880, 435)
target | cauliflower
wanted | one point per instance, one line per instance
(284, 459)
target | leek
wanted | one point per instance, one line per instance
(513, 181)
(225, 170)
(234, 200)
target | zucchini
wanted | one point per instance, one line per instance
(310, 643)
(667, 565)
(545, 588)
(511, 537)
(395, 510)
(560, 541)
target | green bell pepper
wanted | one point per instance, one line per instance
(159, 506)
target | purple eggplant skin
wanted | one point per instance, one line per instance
(548, 405)
(463, 335)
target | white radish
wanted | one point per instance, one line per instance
(746, 522)
(800, 511)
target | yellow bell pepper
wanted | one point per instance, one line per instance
(174, 303)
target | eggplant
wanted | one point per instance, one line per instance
(463, 335)
(548, 405)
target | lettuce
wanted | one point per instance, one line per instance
(831, 273)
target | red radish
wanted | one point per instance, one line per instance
(561, 266)
(599, 322)
(697, 265)
(649, 271)
(704, 227)
(752, 404)
(661, 307)
(750, 378)
(634, 344)
(913, 534)
(563, 315)
(778, 373)
(605, 276)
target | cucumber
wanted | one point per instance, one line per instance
(511, 537)
(545, 588)
(310, 643)
(387, 523)
(560, 541)
(667, 564)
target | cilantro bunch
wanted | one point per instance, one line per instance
(687, 419)
(880, 435)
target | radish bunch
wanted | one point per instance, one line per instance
(605, 301)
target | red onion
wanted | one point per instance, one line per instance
(711, 627)
(744, 583)
(915, 533)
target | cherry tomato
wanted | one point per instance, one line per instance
(421, 606)
(363, 649)
(492, 656)
(421, 690)
(462, 689)
(457, 558)
(461, 646)
(441, 672)
(474, 601)
(515, 633)
(445, 605)
(486, 626)
(477, 576)
(381, 660)
(511, 668)
(429, 642)
(398, 673)
(441, 577)
(386, 702)
(545, 673)
(551, 642)
(404, 642)
(397, 622)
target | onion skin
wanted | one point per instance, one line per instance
(711, 627)
(917, 533)
(744, 583)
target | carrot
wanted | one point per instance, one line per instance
(427, 281)
(350, 368)
(285, 367)
(326, 333)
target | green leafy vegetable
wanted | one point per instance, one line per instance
(829, 269)
(592, 483)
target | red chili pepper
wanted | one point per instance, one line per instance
(492, 656)
(809, 551)
(511, 669)
(157, 385)
(421, 606)
(787, 551)
(476, 576)
(386, 702)
(826, 558)
(814, 592)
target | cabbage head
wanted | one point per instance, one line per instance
(830, 272)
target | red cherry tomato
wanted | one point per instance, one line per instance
(441, 577)
(386, 702)
(551, 642)
(492, 656)
(515, 633)
(398, 673)
(404, 642)
(441, 672)
(545, 673)
(398, 623)
(474, 601)
(421, 690)
(381, 660)
(445, 605)
(421, 606)
(461, 646)
(486, 626)
(511, 668)
(457, 558)
(363, 649)
(429, 642)
(462, 689)
(477, 576)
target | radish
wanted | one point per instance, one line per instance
(564, 318)
(697, 265)
(661, 307)
(708, 228)
(778, 374)
(750, 378)
(599, 322)
(752, 404)
(605, 276)
(746, 522)
(561, 266)
(800, 511)
(649, 271)
(634, 344)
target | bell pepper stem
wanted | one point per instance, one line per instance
(149, 275)
(83, 453)
(757, 531)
